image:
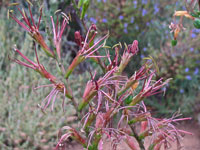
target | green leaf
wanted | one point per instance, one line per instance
(196, 23)
(197, 12)
(80, 3)
(86, 4)
(174, 42)
(194, 15)
(128, 100)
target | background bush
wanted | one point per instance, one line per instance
(148, 22)
(22, 123)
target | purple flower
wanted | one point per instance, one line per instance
(142, 56)
(144, 12)
(181, 90)
(93, 20)
(144, 49)
(188, 77)
(187, 69)
(156, 9)
(144, 1)
(191, 49)
(183, 8)
(125, 30)
(125, 25)
(173, 55)
(136, 27)
(195, 30)
(132, 19)
(196, 71)
(121, 17)
(135, 3)
(147, 23)
(104, 20)
(193, 35)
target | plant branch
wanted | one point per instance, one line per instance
(140, 142)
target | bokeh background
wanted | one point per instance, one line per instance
(24, 126)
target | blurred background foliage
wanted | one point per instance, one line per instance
(24, 126)
(148, 22)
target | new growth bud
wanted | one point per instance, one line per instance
(129, 51)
